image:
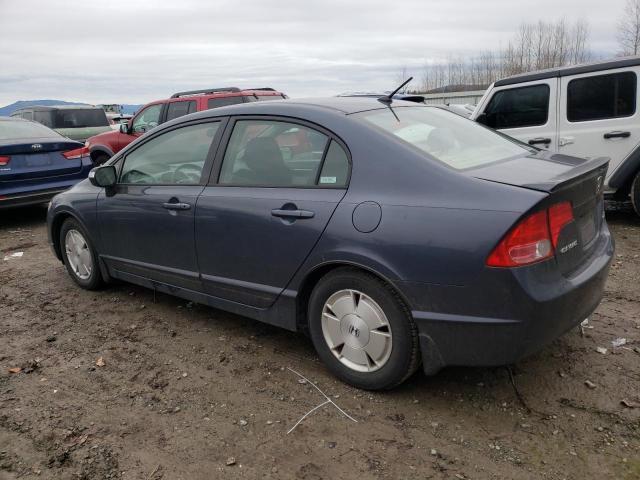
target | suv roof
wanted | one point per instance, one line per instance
(46, 108)
(571, 70)
(220, 90)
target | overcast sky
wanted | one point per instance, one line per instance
(134, 51)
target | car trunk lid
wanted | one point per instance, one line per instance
(35, 158)
(565, 179)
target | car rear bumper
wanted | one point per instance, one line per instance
(542, 310)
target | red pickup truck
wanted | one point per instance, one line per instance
(104, 146)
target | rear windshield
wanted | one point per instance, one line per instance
(79, 118)
(262, 98)
(446, 136)
(21, 130)
(224, 101)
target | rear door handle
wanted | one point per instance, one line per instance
(176, 206)
(617, 135)
(536, 141)
(282, 213)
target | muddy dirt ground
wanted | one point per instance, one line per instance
(188, 392)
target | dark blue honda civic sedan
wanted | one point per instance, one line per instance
(395, 234)
(36, 163)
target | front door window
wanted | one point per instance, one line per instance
(147, 119)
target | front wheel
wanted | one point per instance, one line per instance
(362, 330)
(635, 193)
(79, 256)
(100, 159)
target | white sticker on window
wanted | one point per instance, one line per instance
(328, 179)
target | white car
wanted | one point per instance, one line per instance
(585, 110)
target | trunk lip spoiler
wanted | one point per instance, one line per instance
(575, 174)
(563, 180)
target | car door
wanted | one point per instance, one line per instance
(147, 220)
(598, 115)
(275, 187)
(526, 112)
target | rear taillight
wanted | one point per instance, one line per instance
(76, 153)
(560, 214)
(4, 160)
(533, 239)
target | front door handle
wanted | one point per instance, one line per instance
(176, 206)
(617, 135)
(283, 213)
(536, 141)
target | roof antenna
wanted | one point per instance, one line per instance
(389, 98)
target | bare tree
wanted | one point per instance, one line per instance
(535, 46)
(629, 28)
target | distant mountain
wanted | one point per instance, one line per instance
(9, 109)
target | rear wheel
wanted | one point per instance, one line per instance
(362, 330)
(79, 256)
(635, 193)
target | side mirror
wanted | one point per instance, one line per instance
(124, 128)
(104, 176)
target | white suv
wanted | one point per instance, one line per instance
(585, 111)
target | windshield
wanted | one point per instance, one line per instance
(22, 129)
(450, 138)
(79, 118)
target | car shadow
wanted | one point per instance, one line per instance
(24, 217)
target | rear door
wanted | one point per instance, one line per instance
(598, 115)
(275, 187)
(526, 111)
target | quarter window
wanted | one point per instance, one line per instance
(281, 154)
(176, 157)
(601, 96)
(518, 107)
(335, 170)
(178, 109)
(147, 119)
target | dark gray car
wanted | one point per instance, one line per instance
(393, 234)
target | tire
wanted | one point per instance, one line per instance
(79, 256)
(99, 159)
(635, 193)
(368, 358)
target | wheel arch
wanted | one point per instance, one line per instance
(623, 176)
(56, 226)
(97, 150)
(313, 277)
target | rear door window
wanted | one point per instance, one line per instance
(79, 118)
(601, 96)
(270, 153)
(518, 107)
(178, 109)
